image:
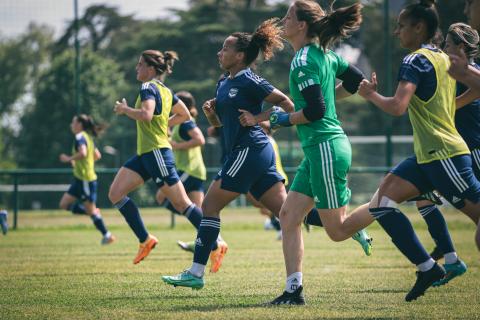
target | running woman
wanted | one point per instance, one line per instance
(462, 37)
(321, 178)
(154, 158)
(442, 160)
(81, 197)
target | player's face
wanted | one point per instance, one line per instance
(472, 11)
(406, 32)
(228, 57)
(75, 125)
(450, 46)
(290, 23)
(144, 71)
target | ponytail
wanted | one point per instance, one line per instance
(161, 62)
(90, 126)
(330, 27)
(265, 39)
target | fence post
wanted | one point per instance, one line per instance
(15, 200)
(172, 221)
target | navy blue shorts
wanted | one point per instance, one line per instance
(83, 190)
(158, 164)
(250, 169)
(191, 183)
(453, 178)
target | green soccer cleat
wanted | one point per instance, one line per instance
(187, 246)
(365, 241)
(452, 270)
(184, 279)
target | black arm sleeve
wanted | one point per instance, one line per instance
(351, 78)
(315, 109)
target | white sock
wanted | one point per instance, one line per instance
(293, 282)
(427, 265)
(451, 257)
(219, 238)
(107, 235)
(197, 269)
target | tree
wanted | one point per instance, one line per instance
(45, 127)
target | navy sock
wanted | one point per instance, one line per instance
(131, 214)
(206, 238)
(77, 208)
(194, 215)
(400, 230)
(437, 227)
(275, 223)
(98, 222)
(313, 218)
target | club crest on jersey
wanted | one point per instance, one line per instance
(233, 92)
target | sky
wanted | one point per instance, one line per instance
(15, 15)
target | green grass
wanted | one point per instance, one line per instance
(54, 267)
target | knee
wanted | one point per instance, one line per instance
(114, 196)
(289, 219)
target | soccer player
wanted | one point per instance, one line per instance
(81, 197)
(462, 37)
(186, 141)
(321, 178)
(250, 162)
(442, 160)
(154, 158)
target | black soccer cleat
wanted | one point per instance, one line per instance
(287, 298)
(436, 253)
(424, 281)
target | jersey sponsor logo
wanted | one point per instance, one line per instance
(301, 74)
(233, 92)
(316, 199)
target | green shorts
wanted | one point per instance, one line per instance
(322, 175)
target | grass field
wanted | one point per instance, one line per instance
(54, 267)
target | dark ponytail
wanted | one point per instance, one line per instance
(89, 125)
(425, 11)
(162, 62)
(265, 39)
(328, 28)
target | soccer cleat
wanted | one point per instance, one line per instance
(3, 221)
(185, 279)
(294, 298)
(145, 248)
(108, 238)
(365, 241)
(216, 256)
(424, 281)
(187, 246)
(436, 253)
(453, 270)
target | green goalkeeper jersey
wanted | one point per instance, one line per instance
(311, 65)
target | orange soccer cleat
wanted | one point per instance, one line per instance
(216, 256)
(145, 248)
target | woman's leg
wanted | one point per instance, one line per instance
(66, 203)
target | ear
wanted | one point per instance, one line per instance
(302, 25)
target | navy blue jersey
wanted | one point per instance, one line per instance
(150, 92)
(245, 91)
(467, 119)
(418, 70)
(184, 128)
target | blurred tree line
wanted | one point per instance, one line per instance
(37, 78)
